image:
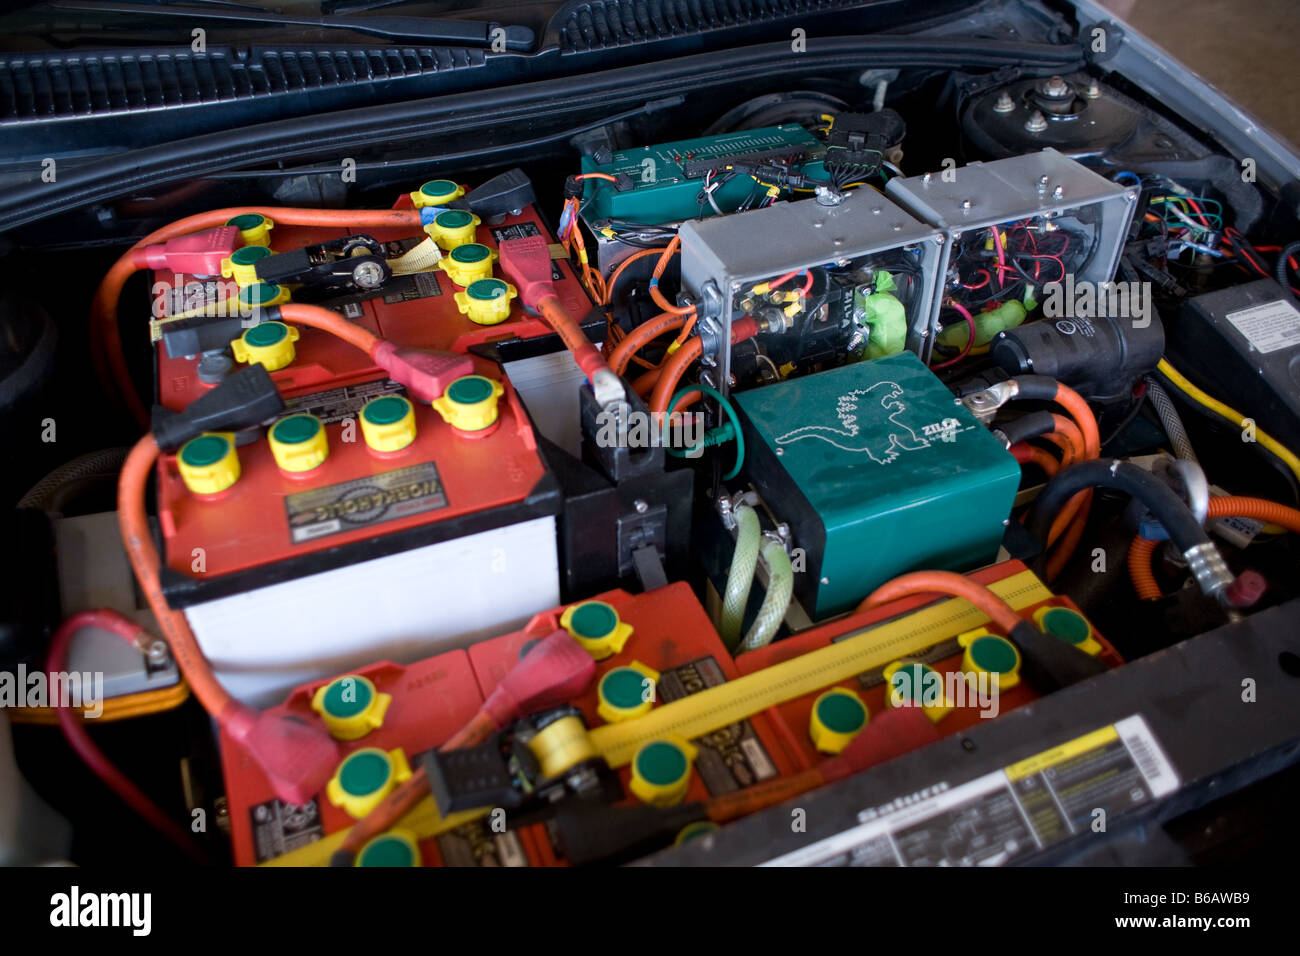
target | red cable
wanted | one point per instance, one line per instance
(86, 749)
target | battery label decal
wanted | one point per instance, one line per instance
(337, 404)
(363, 502)
(730, 758)
(1268, 327)
(1009, 813)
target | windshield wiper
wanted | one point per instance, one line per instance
(478, 33)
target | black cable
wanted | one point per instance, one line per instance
(1283, 279)
(1027, 426)
(1184, 530)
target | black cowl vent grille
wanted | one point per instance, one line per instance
(47, 86)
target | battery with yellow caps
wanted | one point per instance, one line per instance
(208, 463)
(486, 301)
(298, 444)
(469, 405)
(596, 626)
(467, 264)
(242, 265)
(914, 684)
(364, 778)
(661, 771)
(452, 228)
(838, 715)
(269, 344)
(987, 653)
(254, 228)
(436, 192)
(1068, 625)
(264, 295)
(388, 424)
(394, 848)
(350, 706)
(627, 692)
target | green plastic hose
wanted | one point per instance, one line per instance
(987, 325)
(743, 565)
(780, 588)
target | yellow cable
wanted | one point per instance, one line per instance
(1231, 414)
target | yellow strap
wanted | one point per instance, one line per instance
(729, 703)
(876, 646)
(419, 258)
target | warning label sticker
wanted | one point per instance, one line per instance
(339, 404)
(732, 757)
(1270, 326)
(364, 501)
(1009, 813)
(280, 827)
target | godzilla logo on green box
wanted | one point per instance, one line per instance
(881, 434)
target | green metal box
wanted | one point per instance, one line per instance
(878, 471)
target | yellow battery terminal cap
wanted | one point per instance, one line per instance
(242, 265)
(626, 692)
(350, 706)
(661, 771)
(388, 423)
(486, 301)
(254, 228)
(470, 403)
(468, 263)
(394, 848)
(1068, 625)
(838, 716)
(208, 463)
(298, 443)
(990, 654)
(693, 831)
(269, 344)
(436, 192)
(595, 625)
(364, 778)
(262, 296)
(452, 228)
(914, 684)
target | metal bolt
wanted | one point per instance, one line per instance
(368, 275)
(1056, 87)
(826, 580)
(966, 204)
(780, 452)
(1036, 122)
(1058, 192)
(1092, 90)
(640, 506)
(1005, 103)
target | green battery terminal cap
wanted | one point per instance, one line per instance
(470, 403)
(364, 778)
(468, 263)
(436, 192)
(838, 716)
(394, 848)
(695, 830)
(661, 771)
(263, 295)
(254, 228)
(242, 265)
(269, 344)
(1068, 625)
(596, 626)
(350, 706)
(208, 464)
(626, 692)
(388, 423)
(486, 301)
(298, 443)
(914, 684)
(987, 653)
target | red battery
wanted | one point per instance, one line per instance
(428, 702)
(672, 635)
(792, 719)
